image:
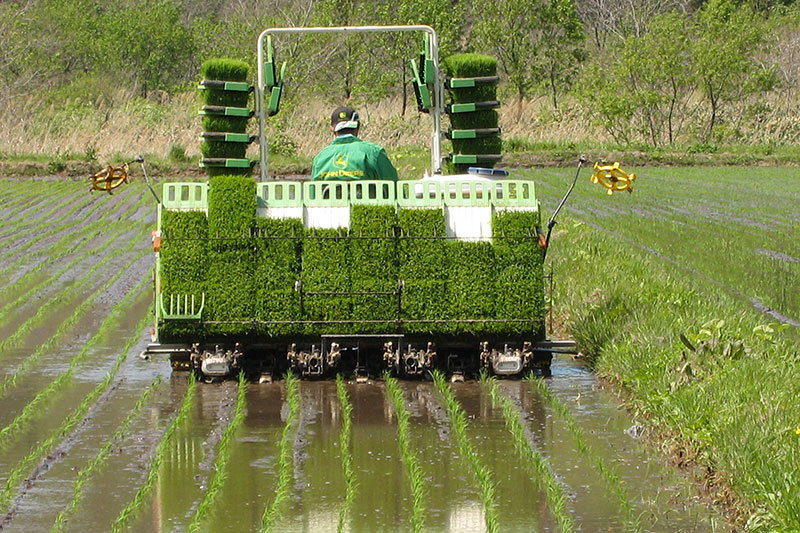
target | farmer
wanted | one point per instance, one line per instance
(348, 157)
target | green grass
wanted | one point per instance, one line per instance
(630, 327)
(482, 473)
(285, 470)
(347, 455)
(128, 513)
(416, 475)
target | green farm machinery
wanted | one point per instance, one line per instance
(359, 277)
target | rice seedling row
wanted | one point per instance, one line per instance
(24, 226)
(414, 471)
(66, 240)
(223, 457)
(62, 246)
(18, 473)
(125, 516)
(556, 497)
(344, 449)
(85, 474)
(607, 472)
(458, 423)
(14, 306)
(285, 475)
(24, 195)
(32, 408)
(18, 205)
(66, 246)
(64, 222)
(63, 297)
(703, 241)
(85, 306)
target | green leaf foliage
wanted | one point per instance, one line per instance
(470, 285)
(326, 269)
(518, 260)
(374, 268)
(231, 208)
(277, 268)
(183, 260)
(423, 267)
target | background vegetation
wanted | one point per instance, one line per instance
(95, 79)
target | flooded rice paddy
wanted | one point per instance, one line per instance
(90, 438)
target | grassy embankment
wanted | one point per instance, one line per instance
(717, 380)
(82, 136)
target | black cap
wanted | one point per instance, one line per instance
(344, 118)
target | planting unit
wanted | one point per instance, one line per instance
(365, 275)
(357, 276)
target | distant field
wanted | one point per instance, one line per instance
(736, 229)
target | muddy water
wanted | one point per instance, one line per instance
(665, 501)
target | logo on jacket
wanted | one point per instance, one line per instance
(340, 161)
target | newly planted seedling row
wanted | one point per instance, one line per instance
(129, 511)
(223, 457)
(33, 407)
(608, 473)
(86, 473)
(285, 470)
(85, 306)
(23, 467)
(535, 461)
(415, 474)
(482, 473)
(347, 455)
(65, 245)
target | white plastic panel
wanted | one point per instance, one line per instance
(326, 217)
(469, 223)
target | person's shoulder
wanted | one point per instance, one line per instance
(370, 146)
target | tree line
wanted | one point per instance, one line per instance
(653, 71)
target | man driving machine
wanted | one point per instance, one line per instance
(348, 157)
